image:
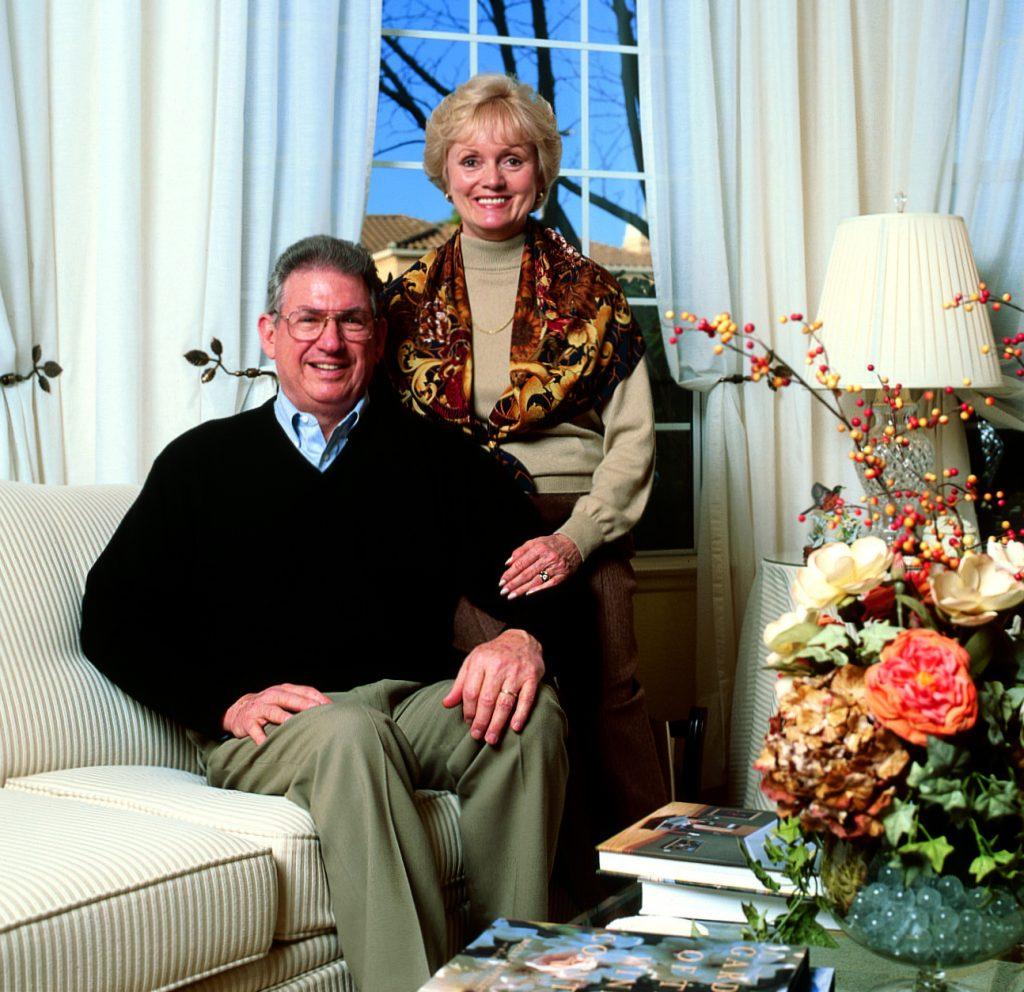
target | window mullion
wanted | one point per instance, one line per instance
(474, 45)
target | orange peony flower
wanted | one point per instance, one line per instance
(922, 685)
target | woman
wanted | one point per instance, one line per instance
(510, 334)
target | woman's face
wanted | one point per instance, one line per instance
(493, 185)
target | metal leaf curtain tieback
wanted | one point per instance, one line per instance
(199, 358)
(43, 371)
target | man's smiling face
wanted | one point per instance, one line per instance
(325, 377)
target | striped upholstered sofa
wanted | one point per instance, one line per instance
(120, 869)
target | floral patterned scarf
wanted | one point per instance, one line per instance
(574, 340)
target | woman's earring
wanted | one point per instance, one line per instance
(540, 198)
(448, 197)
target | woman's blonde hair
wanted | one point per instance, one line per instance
(511, 109)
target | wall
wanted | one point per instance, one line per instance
(665, 614)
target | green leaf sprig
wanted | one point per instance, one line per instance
(798, 923)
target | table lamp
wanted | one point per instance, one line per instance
(887, 278)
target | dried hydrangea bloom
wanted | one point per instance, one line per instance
(826, 760)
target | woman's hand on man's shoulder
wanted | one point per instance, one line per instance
(540, 563)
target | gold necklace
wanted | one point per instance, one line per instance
(496, 330)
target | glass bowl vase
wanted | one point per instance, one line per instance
(929, 921)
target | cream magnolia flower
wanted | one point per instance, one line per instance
(1009, 557)
(976, 591)
(836, 570)
(784, 636)
(788, 623)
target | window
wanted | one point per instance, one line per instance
(581, 55)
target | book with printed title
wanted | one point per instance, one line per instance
(532, 957)
(693, 842)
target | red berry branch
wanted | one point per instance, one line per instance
(923, 520)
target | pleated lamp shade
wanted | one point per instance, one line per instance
(887, 278)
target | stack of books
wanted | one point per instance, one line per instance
(536, 957)
(689, 859)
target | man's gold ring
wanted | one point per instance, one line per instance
(544, 575)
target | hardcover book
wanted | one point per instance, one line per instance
(530, 957)
(691, 842)
(705, 902)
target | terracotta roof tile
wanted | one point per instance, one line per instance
(381, 231)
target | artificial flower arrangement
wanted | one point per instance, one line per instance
(896, 757)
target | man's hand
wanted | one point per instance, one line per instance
(541, 563)
(498, 680)
(247, 717)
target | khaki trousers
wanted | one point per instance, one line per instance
(355, 765)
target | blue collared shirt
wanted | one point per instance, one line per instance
(303, 430)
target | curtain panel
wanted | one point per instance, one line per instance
(795, 115)
(159, 157)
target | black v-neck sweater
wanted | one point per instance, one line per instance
(242, 566)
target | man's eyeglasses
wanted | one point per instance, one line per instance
(308, 325)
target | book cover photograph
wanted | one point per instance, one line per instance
(693, 842)
(516, 955)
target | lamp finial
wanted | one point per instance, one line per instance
(900, 199)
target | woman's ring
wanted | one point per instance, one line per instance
(508, 692)
(544, 575)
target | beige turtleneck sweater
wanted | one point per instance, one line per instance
(609, 457)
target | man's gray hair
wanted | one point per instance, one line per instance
(321, 251)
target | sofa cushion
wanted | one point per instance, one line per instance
(267, 821)
(313, 964)
(97, 898)
(57, 711)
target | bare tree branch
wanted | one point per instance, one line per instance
(630, 81)
(400, 94)
(433, 83)
(555, 216)
(499, 15)
(609, 206)
(545, 74)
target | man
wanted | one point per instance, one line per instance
(285, 587)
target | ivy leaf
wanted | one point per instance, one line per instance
(830, 637)
(37, 353)
(44, 384)
(943, 758)
(757, 923)
(208, 375)
(935, 850)
(981, 645)
(1000, 707)
(788, 830)
(999, 798)
(981, 866)
(52, 369)
(197, 357)
(946, 793)
(900, 821)
(803, 926)
(875, 635)
(216, 347)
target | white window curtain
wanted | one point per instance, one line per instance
(765, 125)
(157, 158)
